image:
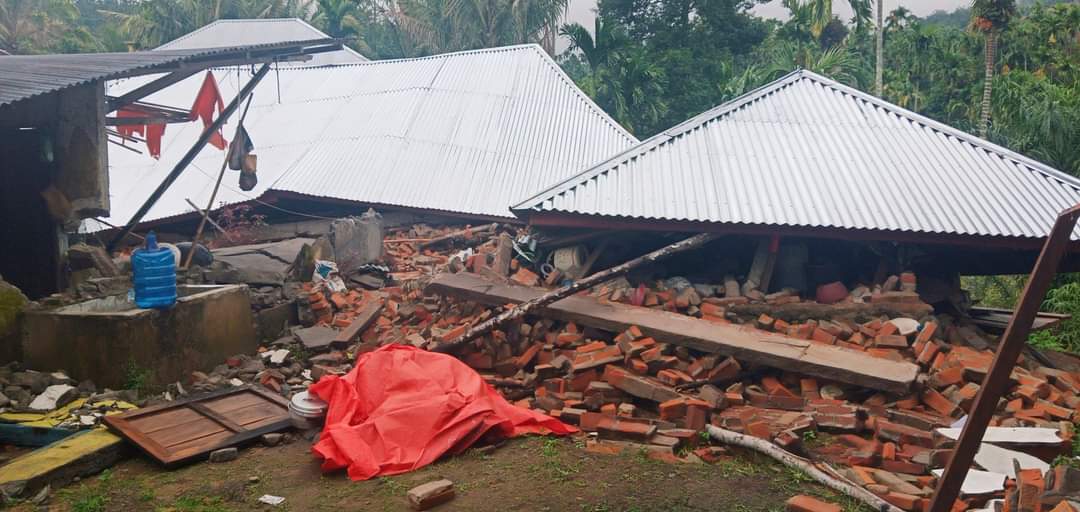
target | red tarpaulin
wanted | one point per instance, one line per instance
(402, 408)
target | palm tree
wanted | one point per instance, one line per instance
(597, 50)
(898, 19)
(622, 78)
(990, 17)
(337, 17)
(879, 50)
(155, 22)
(822, 12)
(35, 25)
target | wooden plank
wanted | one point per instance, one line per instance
(742, 342)
(503, 254)
(995, 319)
(1012, 343)
(23, 435)
(180, 431)
(217, 418)
(802, 311)
(359, 324)
(79, 455)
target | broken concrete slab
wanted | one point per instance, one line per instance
(316, 337)
(257, 263)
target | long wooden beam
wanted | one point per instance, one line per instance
(549, 297)
(742, 342)
(1012, 342)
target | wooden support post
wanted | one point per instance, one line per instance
(1012, 342)
(600, 277)
(189, 156)
(460, 235)
(217, 186)
(211, 221)
(503, 254)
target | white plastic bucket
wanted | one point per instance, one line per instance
(306, 411)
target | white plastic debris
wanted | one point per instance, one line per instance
(236, 382)
(326, 275)
(1018, 435)
(979, 482)
(905, 326)
(270, 499)
(1002, 460)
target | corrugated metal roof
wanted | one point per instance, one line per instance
(806, 151)
(26, 76)
(261, 31)
(467, 133)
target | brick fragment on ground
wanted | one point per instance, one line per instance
(803, 503)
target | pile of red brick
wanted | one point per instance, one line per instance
(636, 392)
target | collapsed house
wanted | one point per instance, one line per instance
(54, 115)
(818, 310)
(459, 135)
(806, 157)
(234, 32)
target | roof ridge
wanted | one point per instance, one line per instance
(238, 20)
(552, 65)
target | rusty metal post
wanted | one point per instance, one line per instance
(1012, 343)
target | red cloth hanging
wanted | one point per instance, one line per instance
(203, 108)
(402, 408)
(152, 133)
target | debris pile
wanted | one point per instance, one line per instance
(641, 392)
(37, 408)
(797, 372)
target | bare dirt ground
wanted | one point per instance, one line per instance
(533, 474)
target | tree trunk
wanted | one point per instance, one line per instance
(879, 50)
(988, 82)
(819, 473)
(603, 276)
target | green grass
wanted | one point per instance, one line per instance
(138, 378)
(197, 504)
(91, 503)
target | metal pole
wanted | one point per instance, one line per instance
(189, 156)
(217, 186)
(1012, 342)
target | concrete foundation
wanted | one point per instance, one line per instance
(115, 344)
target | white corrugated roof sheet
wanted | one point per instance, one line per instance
(806, 151)
(260, 31)
(467, 133)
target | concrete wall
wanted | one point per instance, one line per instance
(75, 119)
(163, 346)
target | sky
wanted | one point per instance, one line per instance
(583, 11)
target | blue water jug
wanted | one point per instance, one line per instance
(155, 275)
